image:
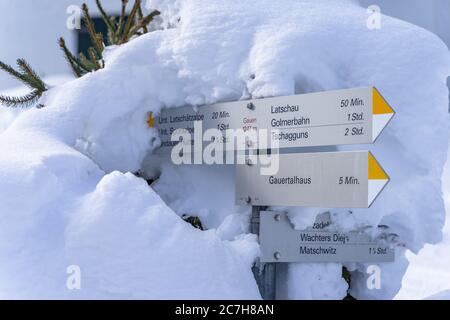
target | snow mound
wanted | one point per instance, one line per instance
(125, 241)
(8, 115)
(62, 201)
(133, 246)
(444, 295)
(312, 281)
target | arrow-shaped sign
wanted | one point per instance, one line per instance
(350, 116)
(382, 113)
(377, 178)
(324, 179)
(280, 242)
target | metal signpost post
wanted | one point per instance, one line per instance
(323, 179)
(264, 272)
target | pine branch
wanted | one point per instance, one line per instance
(81, 65)
(85, 63)
(119, 32)
(98, 45)
(121, 19)
(105, 16)
(30, 76)
(94, 59)
(141, 18)
(149, 18)
(24, 101)
(130, 22)
(7, 68)
(112, 33)
(71, 60)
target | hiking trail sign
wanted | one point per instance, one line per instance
(350, 116)
(322, 179)
(280, 242)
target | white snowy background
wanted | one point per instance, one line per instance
(67, 197)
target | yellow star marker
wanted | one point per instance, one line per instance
(151, 120)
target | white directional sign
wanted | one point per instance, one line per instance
(280, 242)
(325, 179)
(351, 116)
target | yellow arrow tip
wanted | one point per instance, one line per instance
(380, 106)
(376, 172)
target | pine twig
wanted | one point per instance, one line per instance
(130, 22)
(119, 32)
(24, 101)
(95, 39)
(85, 63)
(105, 16)
(141, 18)
(30, 76)
(7, 68)
(94, 59)
(121, 19)
(112, 33)
(145, 21)
(72, 61)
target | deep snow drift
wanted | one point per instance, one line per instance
(428, 273)
(63, 203)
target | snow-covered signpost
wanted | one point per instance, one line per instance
(350, 116)
(318, 244)
(321, 179)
